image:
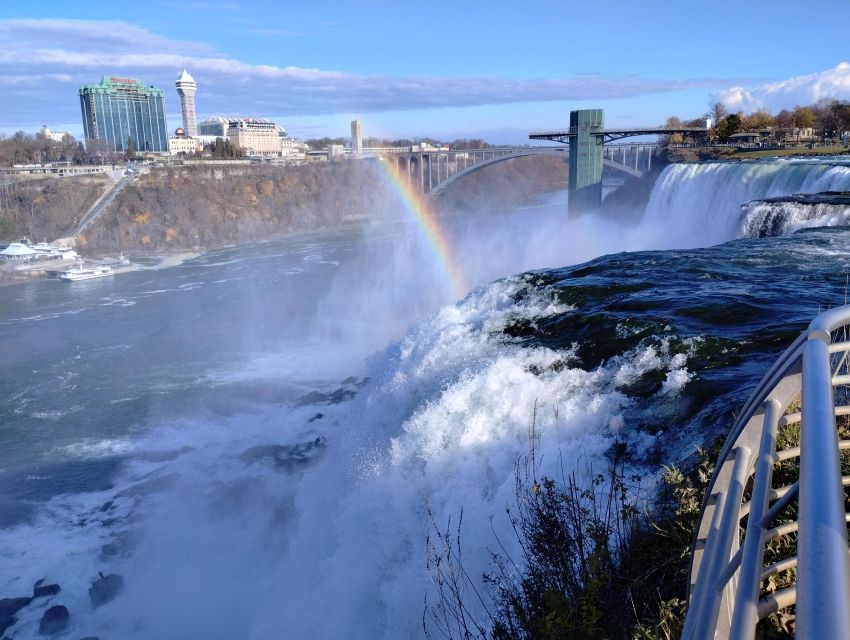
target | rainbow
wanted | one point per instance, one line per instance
(420, 210)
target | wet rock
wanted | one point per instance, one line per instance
(10, 606)
(318, 416)
(6, 622)
(41, 590)
(90, 638)
(105, 589)
(284, 457)
(347, 392)
(54, 620)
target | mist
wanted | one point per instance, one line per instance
(285, 494)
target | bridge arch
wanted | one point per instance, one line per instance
(562, 152)
(519, 153)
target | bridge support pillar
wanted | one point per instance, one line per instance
(585, 169)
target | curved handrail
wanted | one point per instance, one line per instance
(726, 570)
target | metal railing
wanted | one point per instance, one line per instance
(100, 206)
(743, 511)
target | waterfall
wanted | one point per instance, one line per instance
(700, 204)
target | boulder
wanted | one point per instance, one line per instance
(10, 606)
(41, 590)
(54, 620)
(105, 589)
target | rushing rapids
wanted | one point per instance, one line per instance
(253, 439)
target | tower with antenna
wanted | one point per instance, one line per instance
(186, 88)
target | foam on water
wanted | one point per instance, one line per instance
(215, 542)
(312, 518)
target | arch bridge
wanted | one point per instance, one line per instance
(432, 171)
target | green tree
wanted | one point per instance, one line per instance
(131, 148)
(730, 125)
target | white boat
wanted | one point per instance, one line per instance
(86, 273)
(52, 251)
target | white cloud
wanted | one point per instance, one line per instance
(64, 54)
(785, 94)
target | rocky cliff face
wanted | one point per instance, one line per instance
(47, 208)
(187, 208)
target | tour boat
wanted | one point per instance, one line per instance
(86, 273)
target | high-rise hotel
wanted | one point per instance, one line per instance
(122, 108)
(186, 88)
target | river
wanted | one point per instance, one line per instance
(251, 438)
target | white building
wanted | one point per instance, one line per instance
(356, 137)
(335, 151)
(18, 252)
(186, 89)
(181, 143)
(256, 136)
(293, 149)
(56, 136)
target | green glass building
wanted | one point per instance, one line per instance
(122, 108)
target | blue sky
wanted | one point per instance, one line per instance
(444, 69)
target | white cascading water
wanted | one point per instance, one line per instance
(219, 541)
(695, 205)
(765, 219)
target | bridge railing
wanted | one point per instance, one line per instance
(806, 391)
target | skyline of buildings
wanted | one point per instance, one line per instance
(119, 109)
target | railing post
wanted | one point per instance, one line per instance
(823, 570)
(745, 613)
(719, 553)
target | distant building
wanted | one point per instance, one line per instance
(335, 151)
(292, 148)
(745, 137)
(215, 126)
(800, 134)
(181, 143)
(204, 141)
(186, 88)
(122, 108)
(56, 136)
(356, 137)
(18, 252)
(256, 136)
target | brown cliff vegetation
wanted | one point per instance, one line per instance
(187, 208)
(48, 207)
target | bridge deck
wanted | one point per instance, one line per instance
(563, 135)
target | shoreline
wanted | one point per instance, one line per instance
(11, 277)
